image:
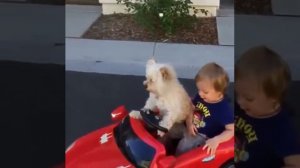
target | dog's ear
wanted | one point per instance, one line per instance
(165, 73)
(151, 61)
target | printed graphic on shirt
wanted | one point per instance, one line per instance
(244, 135)
(201, 107)
(201, 113)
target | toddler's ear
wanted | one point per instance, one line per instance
(165, 73)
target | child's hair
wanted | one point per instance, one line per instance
(269, 70)
(214, 72)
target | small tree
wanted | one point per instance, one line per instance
(165, 15)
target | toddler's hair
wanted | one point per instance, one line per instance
(214, 72)
(269, 70)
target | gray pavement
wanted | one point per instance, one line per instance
(42, 41)
(129, 57)
(79, 18)
(225, 27)
(225, 23)
(286, 7)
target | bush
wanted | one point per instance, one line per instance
(162, 15)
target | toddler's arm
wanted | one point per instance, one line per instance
(192, 130)
(213, 143)
(292, 161)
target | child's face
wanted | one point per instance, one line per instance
(252, 99)
(207, 91)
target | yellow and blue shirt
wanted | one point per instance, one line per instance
(211, 118)
(263, 143)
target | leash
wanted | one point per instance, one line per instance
(154, 47)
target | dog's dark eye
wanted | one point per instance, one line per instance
(150, 80)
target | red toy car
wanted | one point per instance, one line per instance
(130, 143)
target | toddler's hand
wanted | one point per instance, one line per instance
(192, 130)
(211, 145)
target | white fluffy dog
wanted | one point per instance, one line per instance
(165, 94)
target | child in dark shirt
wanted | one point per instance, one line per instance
(212, 121)
(264, 136)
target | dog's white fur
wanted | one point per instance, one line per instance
(165, 94)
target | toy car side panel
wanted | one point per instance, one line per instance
(194, 158)
(94, 149)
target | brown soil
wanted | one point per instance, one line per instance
(123, 27)
(260, 7)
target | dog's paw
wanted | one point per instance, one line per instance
(160, 133)
(135, 114)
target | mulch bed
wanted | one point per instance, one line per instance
(260, 7)
(123, 27)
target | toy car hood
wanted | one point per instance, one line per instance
(89, 151)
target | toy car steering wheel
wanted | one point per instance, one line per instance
(151, 119)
